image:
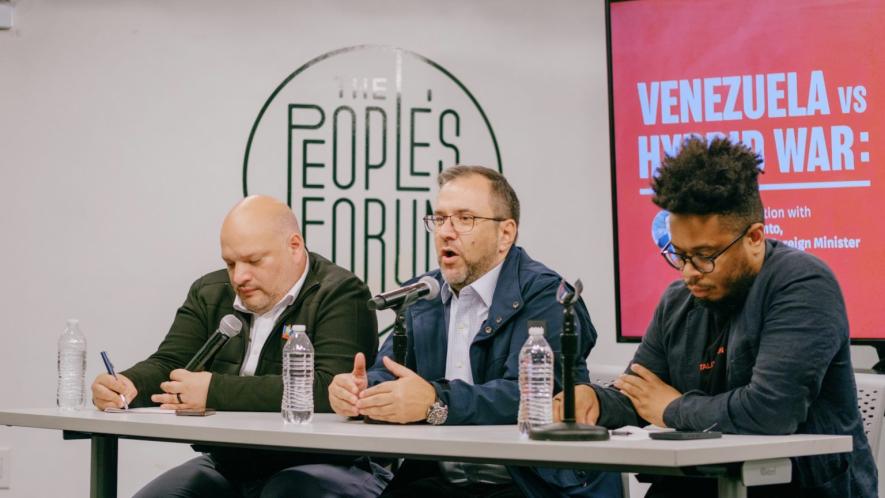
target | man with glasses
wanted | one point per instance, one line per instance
(461, 366)
(753, 339)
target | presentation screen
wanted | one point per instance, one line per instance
(799, 82)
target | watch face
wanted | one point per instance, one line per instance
(437, 413)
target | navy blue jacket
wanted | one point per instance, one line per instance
(788, 369)
(526, 290)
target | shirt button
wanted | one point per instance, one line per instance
(488, 330)
(515, 304)
(498, 320)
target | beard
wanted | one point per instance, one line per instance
(737, 287)
(472, 272)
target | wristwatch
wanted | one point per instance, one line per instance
(437, 413)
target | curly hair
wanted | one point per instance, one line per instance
(715, 177)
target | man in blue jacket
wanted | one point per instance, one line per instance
(462, 362)
(752, 340)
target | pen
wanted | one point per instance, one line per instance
(110, 368)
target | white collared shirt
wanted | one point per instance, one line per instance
(467, 311)
(263, 325)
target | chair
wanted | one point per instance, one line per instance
(871, 402)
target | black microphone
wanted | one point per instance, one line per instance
(427, 287)
(229, 327)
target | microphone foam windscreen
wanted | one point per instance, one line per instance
(230, 325)
(432, 284)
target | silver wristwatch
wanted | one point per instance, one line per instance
(437, 413)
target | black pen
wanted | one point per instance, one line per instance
(110, 368)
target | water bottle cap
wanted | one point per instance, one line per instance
(73, 321)
(299, 328)
(536, 331)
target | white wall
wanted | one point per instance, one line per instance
(122, 130)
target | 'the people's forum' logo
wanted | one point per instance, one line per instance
(353, 141)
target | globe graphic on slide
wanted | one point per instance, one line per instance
(660, 229)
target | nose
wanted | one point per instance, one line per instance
(689, 272)
(240, 274)
(447, 229)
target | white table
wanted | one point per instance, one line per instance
(737, 461)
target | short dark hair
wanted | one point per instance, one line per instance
(505, 200)
(715, 177)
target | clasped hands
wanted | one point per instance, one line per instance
(648, 393)
(183, 390)
(402, 401)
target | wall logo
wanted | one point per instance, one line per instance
(352, 141)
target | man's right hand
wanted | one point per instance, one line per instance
(345, 388)
(106, 391)
(586, 405)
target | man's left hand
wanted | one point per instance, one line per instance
(403, 400)
(184, 390)
(648, 393)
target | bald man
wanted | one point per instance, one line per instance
(271, 281)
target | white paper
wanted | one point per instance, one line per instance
(152, 409)
(631, 432)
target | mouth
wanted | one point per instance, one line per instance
(448, 256)
(698, 290)
(247, 291)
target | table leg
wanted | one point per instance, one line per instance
(731, 487)
(103, 479)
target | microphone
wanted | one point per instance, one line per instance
(427, 287)
(229, 327)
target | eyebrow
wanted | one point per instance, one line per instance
(245, 257)
(457, 211)
(704, 247)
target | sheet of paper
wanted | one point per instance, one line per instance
(151, 409)
(631, 432)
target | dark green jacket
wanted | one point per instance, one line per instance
(331, 304)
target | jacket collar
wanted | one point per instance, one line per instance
(507, 300)
(428, 321)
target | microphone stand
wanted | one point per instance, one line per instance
(400, 339)
(569, 429)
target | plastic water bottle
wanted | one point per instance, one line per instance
(297, 405)
(71, 367)
(535, 382)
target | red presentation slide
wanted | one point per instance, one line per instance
(798, 81)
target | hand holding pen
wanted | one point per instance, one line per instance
(110, 368)
(112, 390)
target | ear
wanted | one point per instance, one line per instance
(506, 235)
(756, 236)
(296, 242)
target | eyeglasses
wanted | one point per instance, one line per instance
(461, 223)
(703, 264)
